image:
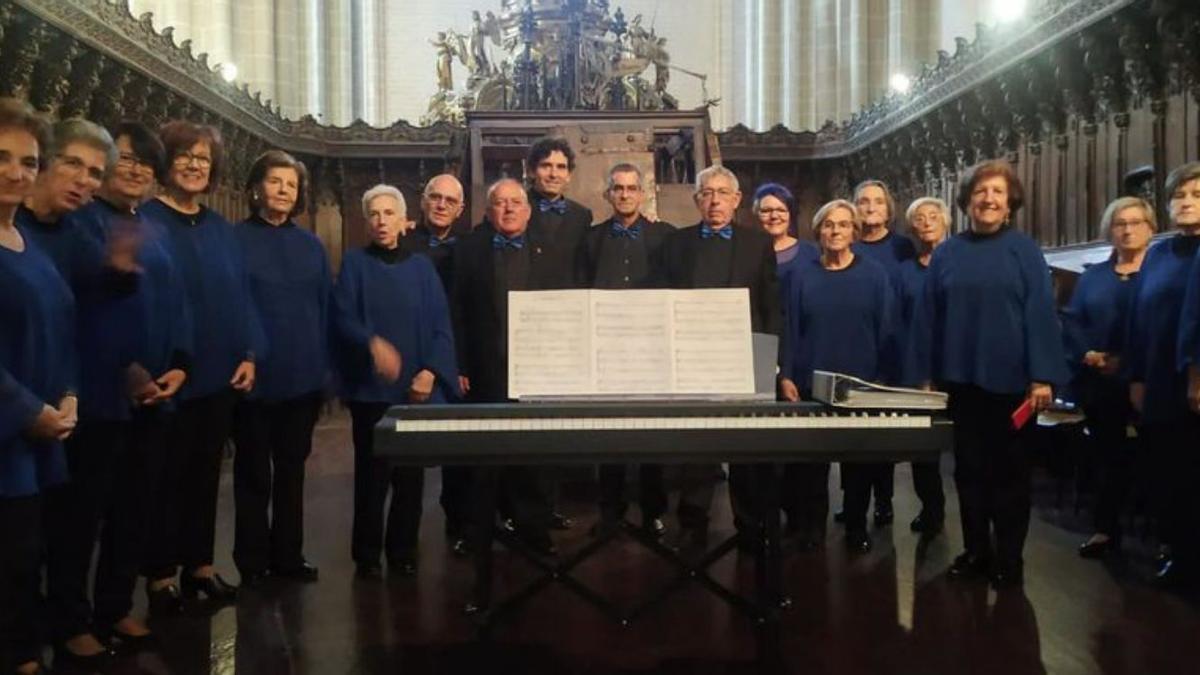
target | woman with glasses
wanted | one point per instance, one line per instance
(134, 358)
(226, 338)
(1094, 323)
(838, 317)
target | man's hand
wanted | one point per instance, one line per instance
(788, 390)
(1041, 395)
(243, 377)
(167, 385)
(421, 388)
(386, 359)
(68, 407)
(464, 384)
(50, 424)
(1094, 359)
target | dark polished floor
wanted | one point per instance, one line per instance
(891, 611)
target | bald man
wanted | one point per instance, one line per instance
(435, 236)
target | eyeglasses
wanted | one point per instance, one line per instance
(129, 161)
(773, 212)
(1130, 224)
(514, 203)
(708, 194)
(77, 166)
(186, 158)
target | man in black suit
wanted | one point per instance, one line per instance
(548, 170)
(434, 237)
(506, 253)
(715, 254)
(625, 251)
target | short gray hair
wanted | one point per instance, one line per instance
(623, 167)
(712, 172)
(1120, 204)
(943, 209)
(425, 191)
(79, 130)
(495, 186)
(829, 207)
(383, 190)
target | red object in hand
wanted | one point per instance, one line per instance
(1020, 416)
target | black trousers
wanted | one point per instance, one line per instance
(858, 480)
(652, 491)
(184, 501)
(805, 498)
(1108, 412)
(373, 476)
(112, 465)
(883, 483)
(1173, 450)
(751, 488)
(993, 472)
(927, 483)
(20, 562)
(274, 440)
(456, 499)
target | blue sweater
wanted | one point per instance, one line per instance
(398, 297)
(838, 320)
(1154, 321)
(290, 282)
(890, 251)
(148, 324)
(986, 316)
(1096, 317)
(788, 260)
(37, 365)
(225, 325)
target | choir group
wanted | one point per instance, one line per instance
(140, 331)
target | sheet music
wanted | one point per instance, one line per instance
(631, 335)
(605, 342)
(710, 341)
(549, 343)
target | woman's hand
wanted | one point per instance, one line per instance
(50, 424)
(788, 390)
(421, 388)
(243, 377)
(386, 359)
(1040, 395)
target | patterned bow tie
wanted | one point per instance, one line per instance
(500, 241)
(434, 242)
(558, 206)
(707, 232)
(632, 232)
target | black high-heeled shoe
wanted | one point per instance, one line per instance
(214, 588)
(122, 643)
(65, 659)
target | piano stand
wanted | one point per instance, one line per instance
(763, 608)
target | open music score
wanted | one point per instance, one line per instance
(630, 342)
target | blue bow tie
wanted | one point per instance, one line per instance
(434, 242)
(558, 206)
(500, 241)
(707, 232)
(632, 232)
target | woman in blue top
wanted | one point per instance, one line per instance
(773, 206)
(37, 400)
(838, 318)
(290, 282)
(1094, 323)
(929, 222)
(1160, 322)
(396, 345)
(226, 340)
(985, 331)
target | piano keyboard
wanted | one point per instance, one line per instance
(781, 421)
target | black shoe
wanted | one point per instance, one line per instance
(1095, 550)
(305, 572)
(1162, 555)
(926, 525)
(460, 547)
(1007, 576)
(655, 527)
(839, 516)
(508, 524)
(1171, 575)
(560, 522)
(368, 571)
(967, 566)
(214, 588)
(255, 579)
(67, 660)
(858, 543)
(164, 601)
(884, 514)
(123, 643)
(405, 567)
